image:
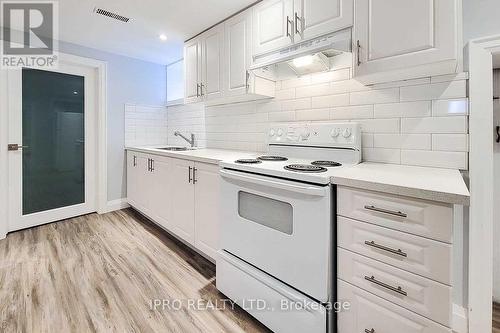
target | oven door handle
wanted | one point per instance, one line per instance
(311, 190)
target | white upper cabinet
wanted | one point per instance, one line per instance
(212, 61)
(313, 18)
(238, 44)
(404, 39)
(203, 58)
(273, 25)
(192, 71)
(239, 82)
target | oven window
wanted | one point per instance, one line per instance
(271, 213)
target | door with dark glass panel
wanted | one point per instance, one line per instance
(51, 145)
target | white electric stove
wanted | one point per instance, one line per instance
(278, 228)
(305, 152)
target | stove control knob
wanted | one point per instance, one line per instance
(305, 134)
(335, 132)
(272, 132)
(280, 132)
(347, 133)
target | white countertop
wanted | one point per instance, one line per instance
(204, 155)
(443, 185)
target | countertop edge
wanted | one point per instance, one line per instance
(444, 197)
(179, 155)
(413, 192)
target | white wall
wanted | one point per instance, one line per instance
(496, 219)
(481, 18)
(415, 122)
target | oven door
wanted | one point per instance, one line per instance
(281, 227)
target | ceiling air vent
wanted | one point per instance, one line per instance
(112, 15)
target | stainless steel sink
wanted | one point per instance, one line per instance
(175, 148)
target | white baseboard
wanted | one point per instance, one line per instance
(460, 321)
(117, 204)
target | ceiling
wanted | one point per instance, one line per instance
(139, 38)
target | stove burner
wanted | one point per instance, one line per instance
(305, 168)
(272, 158)
(248, 161)
(326, 163)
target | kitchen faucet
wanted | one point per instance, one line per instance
(191, 142)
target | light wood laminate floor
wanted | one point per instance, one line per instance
(99, 273)
(496, 318)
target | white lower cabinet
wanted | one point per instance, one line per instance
(182, 199)
(394, 263)
(206, 208)
(371, 314)
(180, 195)
(137, 180)
(159, 180)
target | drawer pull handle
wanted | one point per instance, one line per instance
(385, 248)
(398, 289)
(369, 331)
(386, 211)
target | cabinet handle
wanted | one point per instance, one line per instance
(247, 80)
(197, 90)
(149, 164)
(358, 48)
(386, 211)
(152, 165)
(288, 23)
(189, 175)
(369, 331)
(297, 19)
(498, 134)
(194, 175)
(201, 89)
(398, 252)
(135, 161)
(397, 289)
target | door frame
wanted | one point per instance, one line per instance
(478, 62)
(100, 68)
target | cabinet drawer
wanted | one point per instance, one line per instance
(370, 313)
(419, 255)
(423, 296)
(419, 217)
(244, 283)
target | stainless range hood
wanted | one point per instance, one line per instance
(312, 56)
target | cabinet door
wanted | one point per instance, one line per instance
(403, 35)
(212, 57)
(137, 180)
(192, 70)
(314, 18)
(207, 201)
(182, 214)
(161, 190)
(272, 25)
(238, 55)
(132, 177)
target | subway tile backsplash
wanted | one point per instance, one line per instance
(145, 125)
(415, 122)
